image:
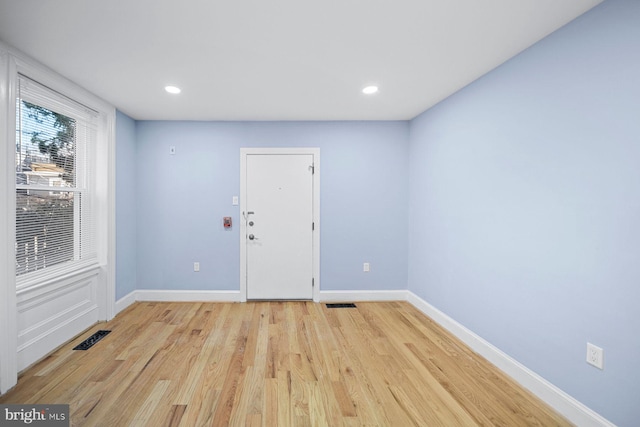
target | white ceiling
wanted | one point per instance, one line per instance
(278, 59)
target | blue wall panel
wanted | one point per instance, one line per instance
(183, 197)
(524, 207)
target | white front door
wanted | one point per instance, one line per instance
(279, 226)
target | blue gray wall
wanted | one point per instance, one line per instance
(126, 196)
(525, 207)
(515, 202)
(182, 198)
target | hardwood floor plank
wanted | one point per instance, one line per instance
(176, 414)
(284, 398)
(141, 418)
(232, 378)
(374, 390)
(105, 397)
(347, 407)
(203, 354)
(270, 403)
(277, 364)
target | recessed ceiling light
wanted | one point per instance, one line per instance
(172, 89)
(370, 90)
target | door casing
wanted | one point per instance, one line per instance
(315, 152)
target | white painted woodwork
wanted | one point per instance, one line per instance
(244, 154)
(8, 328)
(39, 314)
(279, 192)
(53, 313)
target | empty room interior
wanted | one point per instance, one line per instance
(321, 213)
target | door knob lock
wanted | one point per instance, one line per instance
(251, 237)
(251, 223)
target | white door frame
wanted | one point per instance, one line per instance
(315, 152)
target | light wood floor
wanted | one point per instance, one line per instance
(277, 364)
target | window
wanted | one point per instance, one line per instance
(55, 152)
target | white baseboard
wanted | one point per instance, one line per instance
(234, 296)
(173, 295)
(354, 296)
(566, 405)
(125, 301)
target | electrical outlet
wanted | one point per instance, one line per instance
(365, 267)
(595, 356)
(196, 266)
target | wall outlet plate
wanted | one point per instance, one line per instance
(595, 356)
(196, 266)
(365, 267)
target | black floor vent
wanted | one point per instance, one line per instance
(342, 305)
(89, 342)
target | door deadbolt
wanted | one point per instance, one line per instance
(251, 237)
(251, 223)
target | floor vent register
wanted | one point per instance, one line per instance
(341, 305)
(89, 342)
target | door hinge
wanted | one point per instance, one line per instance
(313, 168)
(313, 282)
(313, 226)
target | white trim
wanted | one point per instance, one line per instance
(54, 312)
(107, 309)
(35, 283)
(315, 152)
(183, 296)
(125, 301)
(60, 333)
(566, 405)
(235, 296)
(8, 298)
(13, 62)
(105, 170)
(354, 296)
(175, 296)
(47, 77)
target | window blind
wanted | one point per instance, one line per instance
(55, 185)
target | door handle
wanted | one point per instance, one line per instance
(252, 237)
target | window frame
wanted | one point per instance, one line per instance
(12, 63)
(83, 184)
